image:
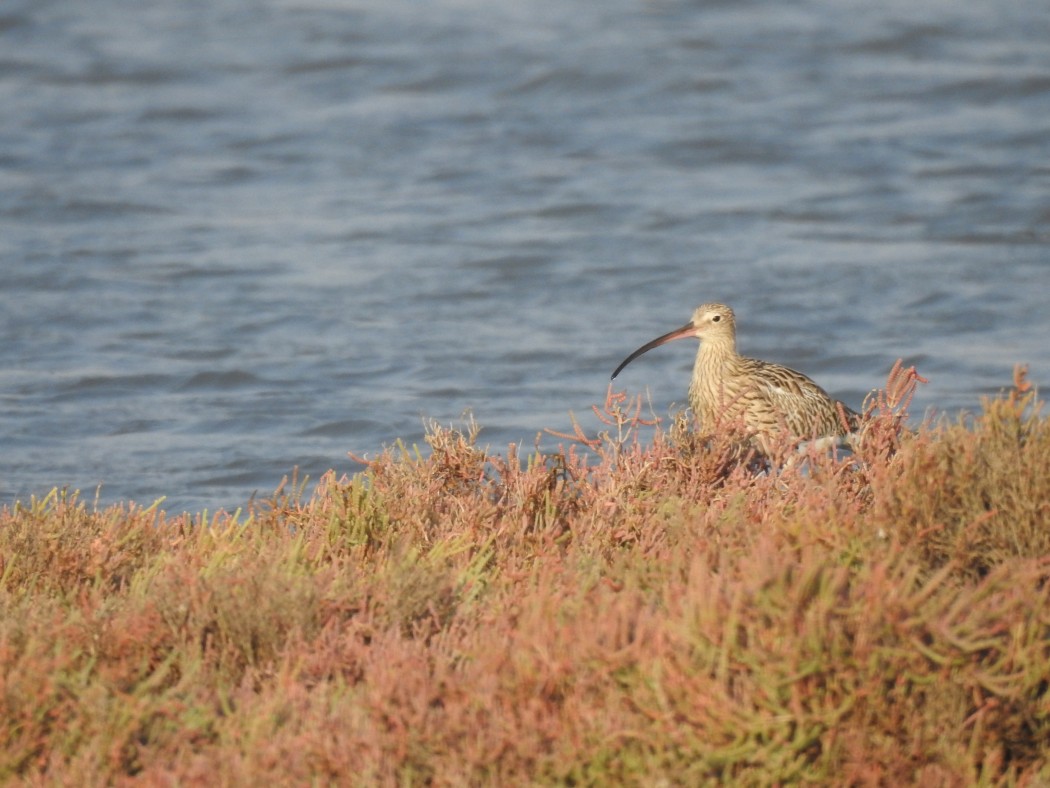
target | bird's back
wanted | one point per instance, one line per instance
(768, 398)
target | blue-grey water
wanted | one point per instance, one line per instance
(241, 237)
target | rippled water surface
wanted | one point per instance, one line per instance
(241, 237)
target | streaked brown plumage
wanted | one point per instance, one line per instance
(769, 399)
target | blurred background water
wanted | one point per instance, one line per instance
(239, 237)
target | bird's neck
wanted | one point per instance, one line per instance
(717, 354)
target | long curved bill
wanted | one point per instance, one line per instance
(688, 330)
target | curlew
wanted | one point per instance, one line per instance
(767, 398)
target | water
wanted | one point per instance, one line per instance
(242, 237)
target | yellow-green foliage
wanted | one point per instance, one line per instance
(648, 612)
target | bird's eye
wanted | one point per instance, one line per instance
(716, 318)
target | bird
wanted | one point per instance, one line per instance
(769, 399)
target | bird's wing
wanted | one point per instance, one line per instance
(785, 385)
(803, 404)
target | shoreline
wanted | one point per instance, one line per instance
(620, 611)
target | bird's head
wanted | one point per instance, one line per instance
(713, 321)
(710, 323)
